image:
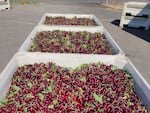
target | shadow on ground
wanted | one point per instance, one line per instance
(140, 33)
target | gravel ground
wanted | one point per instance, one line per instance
(17, 23)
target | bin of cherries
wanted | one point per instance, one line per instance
(89, 88)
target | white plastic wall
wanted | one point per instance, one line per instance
(5, 6)
(72, 16)
(140, 13)
(65, 60)
(27, 43)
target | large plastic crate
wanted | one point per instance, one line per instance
(90, 16)
(27, 43)
(137, 9)
(142, 88)
(136, 14)
(4, 5)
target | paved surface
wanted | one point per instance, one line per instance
(16, 24)
(68, 1)
(92, 0)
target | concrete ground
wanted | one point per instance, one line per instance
(16, 24)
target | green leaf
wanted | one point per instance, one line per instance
(108, 99)
(55, 102)
(25, 110)
(98, 98)
(41, 96)
(30, 95)
(101, 110)
(57, 31)
(33, 46)
(67, 42)
(98, 76)
(39, 112)
(49, 88)
(98, 63)
(83, 79)
(71, 69)
(52, 82)
(12, 94)
(96, 112)
(129, 76)
(44, 75)
(51, 106)
(85, 46)
(4, 102)
(114, 68)
(18, 105)
(63, 39)
(130, 103)
(30, 84)
(44, 92)
(89, 104)
(54, 68)
(126, 94)
(78, 68)
(54, 40)
(16, 87)
(87, 36)
(84, 65)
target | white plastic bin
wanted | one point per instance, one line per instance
(136, 14)
(27, 43)
(141, 86)
(90, 16)
(137, 8)
(4, 5)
